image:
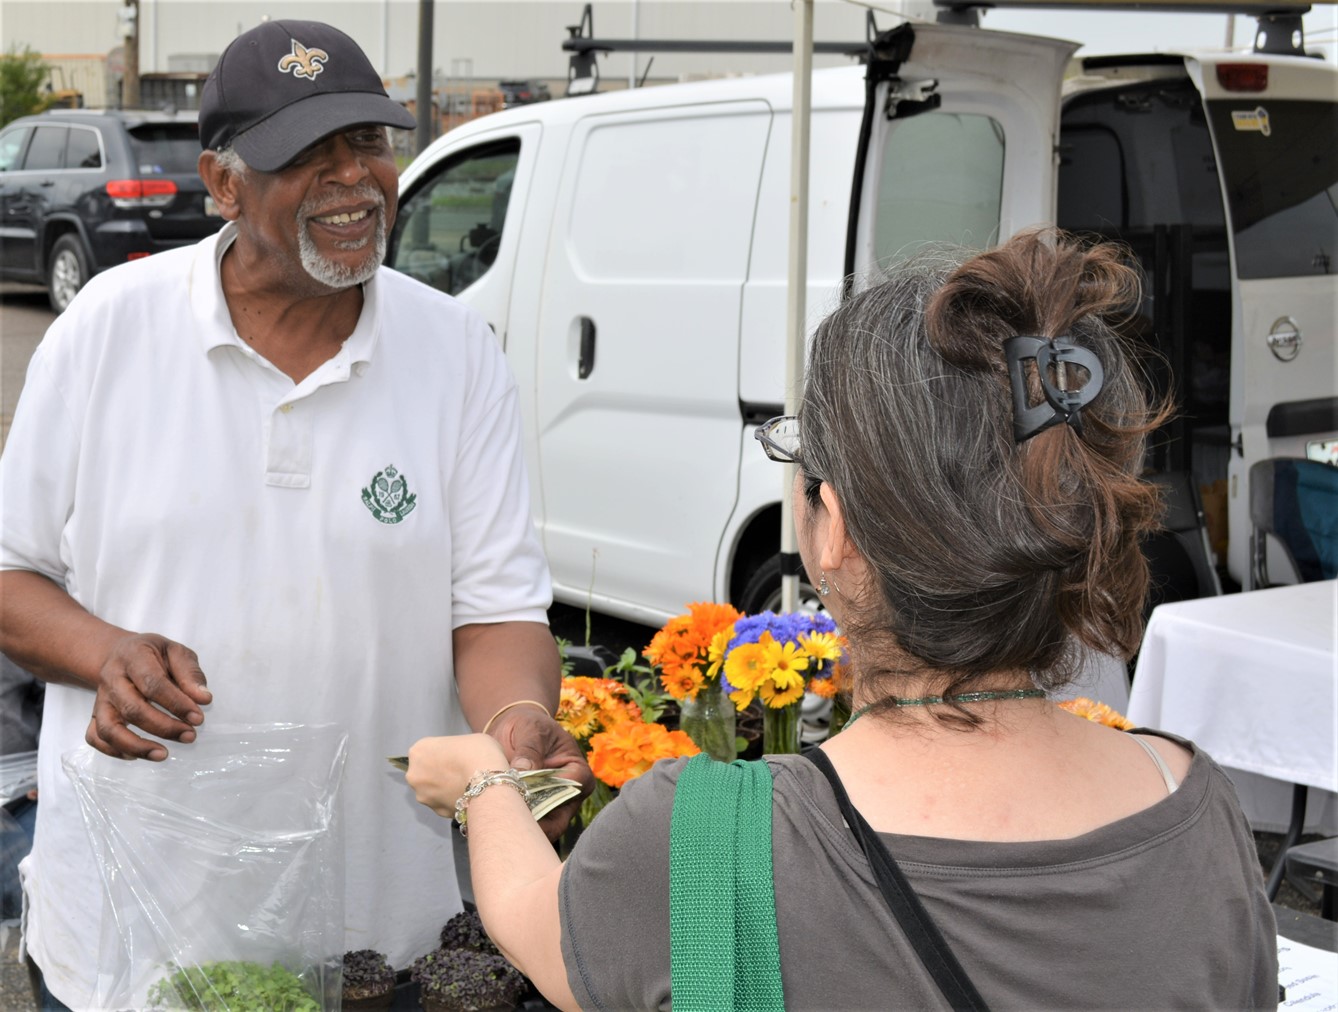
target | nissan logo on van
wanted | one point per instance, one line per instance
(1284, 339)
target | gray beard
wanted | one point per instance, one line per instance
(338, 275)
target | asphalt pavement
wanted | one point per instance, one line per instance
(24, 317)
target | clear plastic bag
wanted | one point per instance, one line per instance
(222, 870)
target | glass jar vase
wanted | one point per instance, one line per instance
(780, 729)
(708, 719)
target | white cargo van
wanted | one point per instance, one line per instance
(629, 250)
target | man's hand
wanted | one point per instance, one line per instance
(533, 740)
(150, 682)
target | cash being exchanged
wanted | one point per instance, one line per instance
(544, 789)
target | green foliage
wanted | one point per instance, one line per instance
(22, 72)
(642, 685)
(568, 665)
(232, 987)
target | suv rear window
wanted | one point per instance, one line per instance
(1280, 162)
(167, 148)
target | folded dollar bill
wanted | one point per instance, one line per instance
(544, 789)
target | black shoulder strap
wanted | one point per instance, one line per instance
(920, 929)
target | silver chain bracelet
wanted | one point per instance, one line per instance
(479, 783)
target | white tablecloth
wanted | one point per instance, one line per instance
(1252, 679)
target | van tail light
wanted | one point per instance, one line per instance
(141, 192)
(1243, 76)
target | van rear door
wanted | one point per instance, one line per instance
(1274, 123)
(958, 141)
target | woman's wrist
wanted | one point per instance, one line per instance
(482, 781)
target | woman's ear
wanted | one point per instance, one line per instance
(834, 545)
(223, 186)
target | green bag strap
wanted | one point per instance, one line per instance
(724, 950)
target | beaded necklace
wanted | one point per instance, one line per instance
(965, 697)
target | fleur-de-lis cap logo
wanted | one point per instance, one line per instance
(304, 62)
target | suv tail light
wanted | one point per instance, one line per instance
(141, 192)
(1243, 76)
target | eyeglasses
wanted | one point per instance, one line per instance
(780, 439)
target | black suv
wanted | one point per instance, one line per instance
(84, 190)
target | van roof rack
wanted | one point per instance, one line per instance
(1280, 31)
(583, 71)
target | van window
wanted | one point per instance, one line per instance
(450, 228)
(668, 199)
(11, 147)
(47, 151)
(83, 150)
(1280, 161)
(941, 181)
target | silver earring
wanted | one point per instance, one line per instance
(823, 588)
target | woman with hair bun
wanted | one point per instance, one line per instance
(968, 504)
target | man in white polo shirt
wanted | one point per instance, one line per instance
(266, 458)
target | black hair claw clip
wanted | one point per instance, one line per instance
(1062, 403)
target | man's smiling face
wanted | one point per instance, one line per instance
(329, 211)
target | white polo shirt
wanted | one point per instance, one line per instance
(315, 544)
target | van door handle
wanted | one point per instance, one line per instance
(585, 364)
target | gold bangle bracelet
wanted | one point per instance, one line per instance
(519, 702)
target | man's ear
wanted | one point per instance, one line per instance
(223, 186)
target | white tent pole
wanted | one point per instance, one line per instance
(797, 281)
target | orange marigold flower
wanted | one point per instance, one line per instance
(709, 618)
(684, 642)
(587, 705)
(840, 679)
(625, 752)
(824, 687)
(682, 683)
(1098, 713)
(578, 721)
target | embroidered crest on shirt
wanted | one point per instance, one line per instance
(304, 62)
(388, 496)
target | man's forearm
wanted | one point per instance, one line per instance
(47, 632)
(501, 663)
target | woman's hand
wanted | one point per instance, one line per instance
(440, 768)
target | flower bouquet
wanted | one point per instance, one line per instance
(620, 743)
(776, 658)
(689, 652)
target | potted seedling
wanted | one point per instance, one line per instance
(369, 981)
(467, 980)
(465, 931)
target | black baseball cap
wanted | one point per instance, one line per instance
(283, 85)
